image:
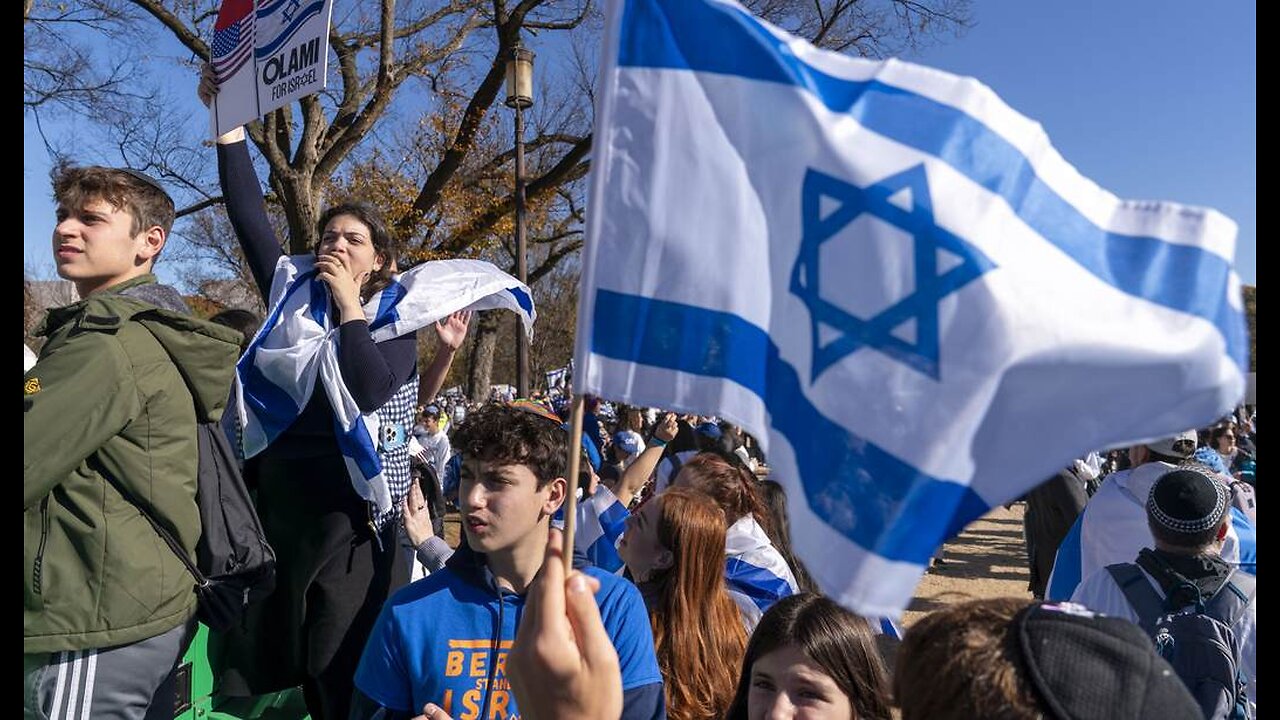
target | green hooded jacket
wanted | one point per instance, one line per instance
(113, 402)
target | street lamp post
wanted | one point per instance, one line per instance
(520, 97)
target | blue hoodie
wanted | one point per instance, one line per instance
(445, 638)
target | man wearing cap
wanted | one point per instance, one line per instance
(1113, 527)
(1188, 513)
(625, 447)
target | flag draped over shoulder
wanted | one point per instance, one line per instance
(888, 276)
(297, 347)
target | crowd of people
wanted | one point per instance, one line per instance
(685, 599)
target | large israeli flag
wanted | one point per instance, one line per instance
(886, 274)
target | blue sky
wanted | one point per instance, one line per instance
(1152, 100)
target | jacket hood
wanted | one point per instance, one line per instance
(1139, 481)
(205, 353)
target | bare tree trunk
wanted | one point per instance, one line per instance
(301, 208)
(480, 371)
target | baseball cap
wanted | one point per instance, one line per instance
(1181, 445)
(1090, 667)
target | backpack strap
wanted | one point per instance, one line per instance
(161, 530)
(1233, 598)
(1144, 599)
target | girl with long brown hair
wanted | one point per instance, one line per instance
(674, 548)
(756, 573)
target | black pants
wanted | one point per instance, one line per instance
(429, 482)
(333, 576)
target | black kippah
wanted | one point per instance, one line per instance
(1187, 502)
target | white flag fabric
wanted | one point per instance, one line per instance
(297, 347)
(888, 276)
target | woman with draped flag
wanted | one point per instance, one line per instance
(326, 397)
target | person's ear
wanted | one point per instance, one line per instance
(556, 490)
(664, 560)
(1222, 527)
(153, 239)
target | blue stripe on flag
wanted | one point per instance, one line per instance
(864, 493)
(287, 34)
(1066, 565)
(387, 299)
(604, 555)
(272, 407)
(355, 443)
(267, 403)
(319, 305)
(707, 37)
(763, 587)
(266, 8)
(613, 521)
(522, 299)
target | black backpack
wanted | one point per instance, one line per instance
(1197, 640)
(234, 565)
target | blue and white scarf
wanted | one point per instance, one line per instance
(756, 574)
(297, 347)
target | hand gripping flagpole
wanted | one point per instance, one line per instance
(571, 503)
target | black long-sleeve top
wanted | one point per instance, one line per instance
(372, 372)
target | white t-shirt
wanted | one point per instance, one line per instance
(438, 450)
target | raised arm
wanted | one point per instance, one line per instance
(639, 471)
(243, 196)
(452, 332)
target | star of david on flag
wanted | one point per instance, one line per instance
(928, 240)
(890, 278)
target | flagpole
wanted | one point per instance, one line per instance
(571, 502)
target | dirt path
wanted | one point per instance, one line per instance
(988, 559)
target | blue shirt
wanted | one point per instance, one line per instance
(445, 638)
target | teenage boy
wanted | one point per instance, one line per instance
(109, 425)
(445, 639)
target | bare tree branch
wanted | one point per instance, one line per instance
(463, 140)
(382, 92)
(561, 24)
(184, 34)
(545, 139)
(570, 167)
(549, 264)
(203, 204)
